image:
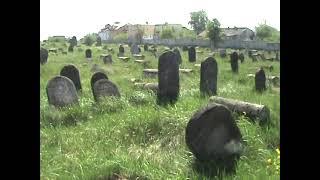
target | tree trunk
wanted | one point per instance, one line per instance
(253, 111)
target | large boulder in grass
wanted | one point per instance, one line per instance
(213, 135)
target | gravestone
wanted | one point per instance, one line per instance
(212, 134)
(88, 53)
(177, 52)
(223, 53)
(234, 62)
(277, 56)
(98, 41)
(97, 76)
(260, 80)
(241, 57)
(121, 51)
(145, 47)
(61, 92)
(208, 77)
(70, 48)
(103, 88)
(168, 78)
(139, 49)
(71, 72)
(192, 54)
(43, 55)
(134, 49)
(107, 58)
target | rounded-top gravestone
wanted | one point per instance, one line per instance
(107, 59)
(97, 76)
(134, 49)
(208, 77)
(168, 78)
(61, 92)
(176, 50)
(260, 80)
(223, 53)
(103, 88)
(234, 62)
(192, 54)
(43, 55)
(212, 134)
(71, 72)
(88, 53)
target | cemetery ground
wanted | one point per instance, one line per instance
(134, 138)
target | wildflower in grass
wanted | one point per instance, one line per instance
(269, 161)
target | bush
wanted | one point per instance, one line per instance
(122, 37)
(166, 34)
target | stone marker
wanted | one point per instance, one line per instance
(124, 58)
(134, 49)
(260, 80)
(145, 47)
(97, 76)
(168, 78)
(121, 51)
(177, 52)
(107, 58)
(277, 56)
(253, 111)
(53, 50)
(98, 41)
(213, 135)
(43, 55)
(141, 61)
(150, 72)
(138, 56)
(234, 62)
(185, 70)
(192, 54)
(88, 53)
(241, 57)
(103, 88)
(208, 77)
(71, 72)
(70, 48)
(61, 92)
(223, 53)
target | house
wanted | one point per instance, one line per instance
(109, 31)
(161, 27)
(236, 33)
(145, 31)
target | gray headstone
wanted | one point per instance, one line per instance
(121, 49)
(61, 92)
(88, 53)
(212, 134)
(43, 56)
(260, 80)
(145, 47)
(97, 76)
(192, 54)
(168, 78)
(134, 49)
(234, 62)
(223, 53)
(107, 59)
(208, 77)
(176, 50)
(103, 88)
(71, 72)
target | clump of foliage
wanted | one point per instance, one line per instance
(199, 20)
(267, 33)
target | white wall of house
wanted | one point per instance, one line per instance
(106, 35)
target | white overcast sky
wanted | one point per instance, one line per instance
(80, 17)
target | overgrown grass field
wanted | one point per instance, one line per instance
(134, 138)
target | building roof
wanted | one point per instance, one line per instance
(233, 31)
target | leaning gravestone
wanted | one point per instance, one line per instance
(241, 57)
(97, 76)
(134, 49)
(168, 78)
(88, 53)
(145, 47)
(260, 80)
(43, 55)
(103, 88)
(192, 54)
(61, 92)
(234, 62)
(208, 77)
(212, 134)
(71, 72)
(176, 50)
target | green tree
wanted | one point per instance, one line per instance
(267, 33)
(89, 39)
(166, 33)
(214, 30)
(198, 21)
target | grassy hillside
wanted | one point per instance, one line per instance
(133, 137)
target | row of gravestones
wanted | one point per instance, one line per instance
(62, 90)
